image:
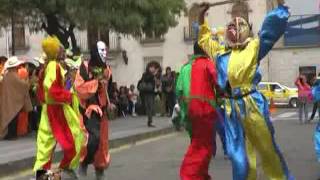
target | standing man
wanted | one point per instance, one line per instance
(168, 91)
(248, 127)
(59, 122)
(91, 85)
(196, 94)
(147, 88)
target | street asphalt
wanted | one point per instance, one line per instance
(160, 158)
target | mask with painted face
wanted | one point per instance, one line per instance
(102, 50)
(238, 33)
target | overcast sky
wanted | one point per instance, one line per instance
(300, 7)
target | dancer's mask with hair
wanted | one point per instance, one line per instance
(238, 33)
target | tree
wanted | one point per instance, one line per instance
(61, 17)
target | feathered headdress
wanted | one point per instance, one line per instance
(51, 46)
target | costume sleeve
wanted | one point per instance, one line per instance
(212, 72)
(272, 29)
(85, 88)
(54, 84)
(210, 46)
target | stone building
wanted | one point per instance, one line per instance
(297, 51)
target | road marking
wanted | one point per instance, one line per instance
(287, 115)
(29, 172)
(284, 119)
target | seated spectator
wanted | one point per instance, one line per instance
(133, 98)
(123, 101)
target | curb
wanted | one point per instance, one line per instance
(10, 168)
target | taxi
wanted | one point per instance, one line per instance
(279, 94)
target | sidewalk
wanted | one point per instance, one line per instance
(19, 155)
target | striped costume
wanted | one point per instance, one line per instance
(59, 122)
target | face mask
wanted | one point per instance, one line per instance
(237, 33)
(102, 50)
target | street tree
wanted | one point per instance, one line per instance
(60, 17)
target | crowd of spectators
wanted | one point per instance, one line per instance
(125, 100)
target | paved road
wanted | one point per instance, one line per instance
(123, 127)
(160, 159)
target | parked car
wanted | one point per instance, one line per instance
(280, 94)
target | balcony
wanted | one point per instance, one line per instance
(114, 42)
(303, 30)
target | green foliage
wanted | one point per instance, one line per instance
(134, 17)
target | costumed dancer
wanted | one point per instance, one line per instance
(316, 136)
(91, 85)
(247, 123)
(59, 122)
(195, 92)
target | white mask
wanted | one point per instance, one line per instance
(102, 49)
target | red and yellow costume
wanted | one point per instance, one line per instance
(59, 122)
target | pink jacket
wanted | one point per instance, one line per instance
(304, 90)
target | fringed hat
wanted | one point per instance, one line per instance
(51, 46)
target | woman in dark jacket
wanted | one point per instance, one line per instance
(146, 86)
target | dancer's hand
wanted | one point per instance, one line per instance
(204, 7)
(94, 108)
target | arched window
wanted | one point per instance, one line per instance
(190, 32)
(240, 9)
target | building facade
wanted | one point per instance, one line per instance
(296, 52)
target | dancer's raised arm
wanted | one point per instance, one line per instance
(273, 28)
(210, 46)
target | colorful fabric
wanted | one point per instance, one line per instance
(219, 129)
(59, 122)
(22, 123)
(316, 141)
(316, 93)
(316, 136)
(183, 90)
(92, 96)
(248, 128)
(195, 91)
(196, 161)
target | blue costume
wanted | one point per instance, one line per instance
(248, 128)
(316, 137)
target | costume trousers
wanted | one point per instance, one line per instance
(250, 131)
(316, 107)
(197, 159)
(96, 151)
(316, 141)
(55, 128)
